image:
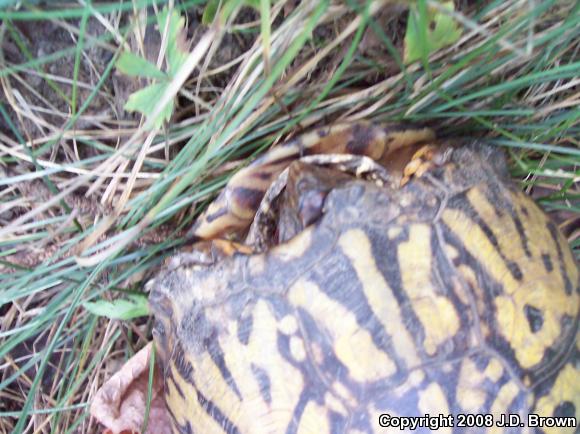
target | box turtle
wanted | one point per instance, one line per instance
(361, 277)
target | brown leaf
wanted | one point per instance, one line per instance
(120, 403)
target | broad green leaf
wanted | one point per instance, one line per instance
(122, 308)
(136, 66)
(145, 101)
(440, 29)
(177, 47)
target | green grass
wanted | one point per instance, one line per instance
(511, 82)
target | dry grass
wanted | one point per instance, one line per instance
(92, 199)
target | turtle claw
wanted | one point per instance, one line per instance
(424, 159)
(206, 253)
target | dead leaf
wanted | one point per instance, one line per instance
(120, 403)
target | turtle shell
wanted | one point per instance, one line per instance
(452, 294)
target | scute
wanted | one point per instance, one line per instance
(434, 297)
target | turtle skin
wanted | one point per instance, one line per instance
(451, 294)
(234, 209)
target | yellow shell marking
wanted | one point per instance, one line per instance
(436, 312)
(564, 389)
(494, 370)
(470, 394)
(530, 347)
(414, 379)
(313, 420)
(536, 288)
(295, 247)
(357, 247)
(432, 400)
(352, 344)
(251, 413)
(182, 408)
(502, 402)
